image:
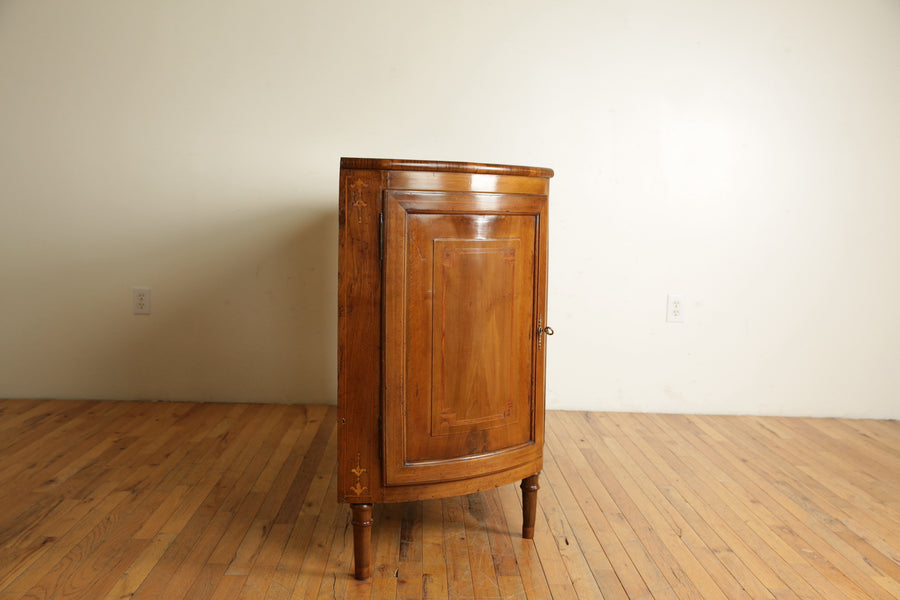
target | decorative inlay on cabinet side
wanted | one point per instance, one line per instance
(357, 488)
(358, 200)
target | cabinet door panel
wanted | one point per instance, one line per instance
(463, 285)
(477, 357)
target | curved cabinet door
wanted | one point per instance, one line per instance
(464, 290)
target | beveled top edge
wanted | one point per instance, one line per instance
(388, 164)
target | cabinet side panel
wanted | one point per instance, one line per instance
(359, 336)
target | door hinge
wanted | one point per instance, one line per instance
(381, 236)
(380, 441)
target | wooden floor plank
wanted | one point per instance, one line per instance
(338, 574)
(481, 563)
(534, 578)
(146, 500)
(774, 508)
(835, 558)
(699, 541)
(456, 551)
(586, 563)
(434, 569)
(312, 571)
(849, 505)
(618, 577)
(691, 500)
(604, 487)
(71, 544)
(509, 577)
(682, 570)
(409, 573)
(849, 552)
(746, 513)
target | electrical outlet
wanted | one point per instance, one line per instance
(140, 300)
(675, 309)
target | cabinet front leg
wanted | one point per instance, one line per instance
(529, 505)
(361, 518)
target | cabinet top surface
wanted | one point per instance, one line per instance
(387, 164)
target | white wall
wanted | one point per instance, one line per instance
(741, 153)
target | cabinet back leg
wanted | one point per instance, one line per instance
(529, 505)
(361, 519)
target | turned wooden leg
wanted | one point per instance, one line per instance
(361, 518)
(529, 505)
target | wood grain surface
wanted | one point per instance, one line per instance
(111, 500)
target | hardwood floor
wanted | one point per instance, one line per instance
(112, 500)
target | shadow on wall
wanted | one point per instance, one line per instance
(242, 311)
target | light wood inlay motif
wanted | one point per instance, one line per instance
(358, 489)
(357, 200)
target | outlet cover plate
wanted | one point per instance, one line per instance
(140, 300)
(675, 309)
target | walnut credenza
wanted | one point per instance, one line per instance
(442, 281)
